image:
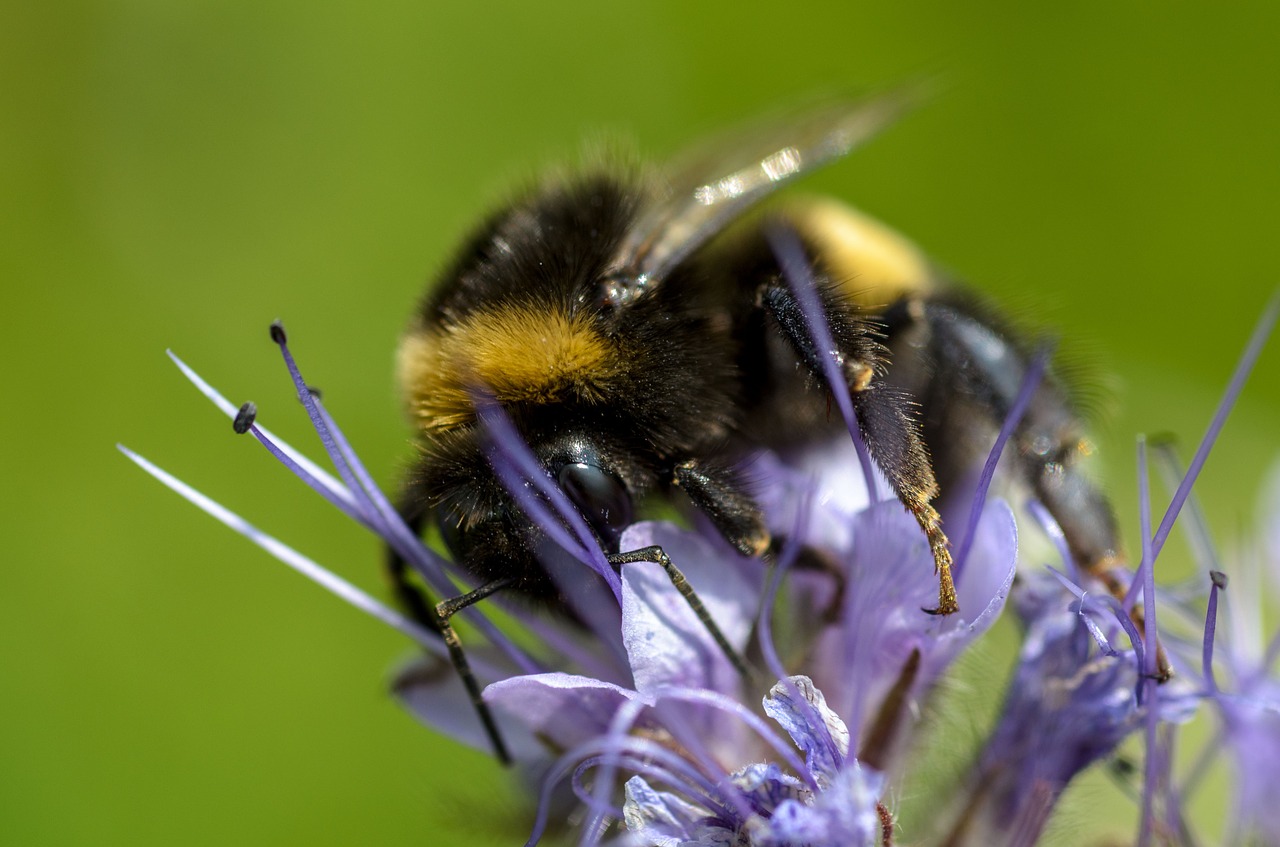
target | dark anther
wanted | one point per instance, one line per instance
(886, 825)
(315, 392)
(890, 716)
(245, 418)
(1123, 766)
(1219, 578)
(277, 333)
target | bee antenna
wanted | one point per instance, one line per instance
(244, 418)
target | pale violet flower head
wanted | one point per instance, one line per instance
(687, 720)
(1233, 667)
(631, 711)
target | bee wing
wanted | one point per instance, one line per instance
(714, 186)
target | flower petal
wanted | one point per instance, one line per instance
(658, 818)
(983, 589)
(765, 786)
(826, 479)
(564, 709)
(844, 815)
(802, 711)
(1252, 727)
(432, 692)
(665, 641)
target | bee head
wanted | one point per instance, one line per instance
(489, 533)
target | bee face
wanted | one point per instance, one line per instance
(486, 529)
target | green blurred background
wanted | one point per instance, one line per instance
(178, 174)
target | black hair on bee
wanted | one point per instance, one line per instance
(641, 336)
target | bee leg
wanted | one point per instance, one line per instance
(407, 592)
(658, 556)
(888, 426)
(1085, 518)
(715, 492)
(968, 372)
(441, 614)
(886, 415)
(1089, 528)
(436, 618)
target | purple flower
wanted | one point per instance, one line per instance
(638, 709)
(878, 639)
(1072, 699)
(656, 698)
(1251, 712)
(686, 693)
(666, 648)
(774, 808)
(1236, 673)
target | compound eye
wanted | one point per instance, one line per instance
(600, 496)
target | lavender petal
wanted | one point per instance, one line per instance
(666, 643)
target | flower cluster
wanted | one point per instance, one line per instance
(661, 738)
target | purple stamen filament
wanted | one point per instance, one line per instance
(1218, 581)
(1257, 340)
(1030, 382)
(799, 275)
(1148, 686)
(379, 513)
(509, 446)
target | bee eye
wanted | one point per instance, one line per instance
(600, 496)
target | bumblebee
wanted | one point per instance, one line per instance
(642, 337)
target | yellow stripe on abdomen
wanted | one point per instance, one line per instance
(872, 263)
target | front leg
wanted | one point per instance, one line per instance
(716, 492)
(886, 416)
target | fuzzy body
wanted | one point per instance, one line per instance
(662, 389)
(692, 370)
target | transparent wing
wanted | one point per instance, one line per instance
(713, 185)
